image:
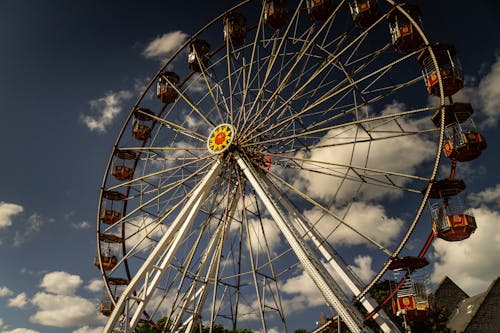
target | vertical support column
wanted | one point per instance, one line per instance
(161, 256)
(333, 259)
(316, 271)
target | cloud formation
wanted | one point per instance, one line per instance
(105, 110)
(63, 310)
(87, 329)
(164, 45)
(7, 212)
(4, 291)
(372, 220)
(337, 147)
(21, 330)
(32, 226)
(20, 301)
(485, 96)
(61, 283)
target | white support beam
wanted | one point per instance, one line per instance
(316, 271)
(333, 259)
(159, 258)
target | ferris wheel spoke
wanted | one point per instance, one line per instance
(308, 43)
(176, 127)
(327, 96)
(212, 95)
(165, 189)
(186, 99)
(182, 165)
(379, 121)
(330, 213)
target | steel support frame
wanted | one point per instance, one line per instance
(331, 291)
(332, 259)
(150, 273)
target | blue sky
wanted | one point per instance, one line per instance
(69, 74)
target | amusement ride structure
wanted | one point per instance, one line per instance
(254, 154)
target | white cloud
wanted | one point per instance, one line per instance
(485, 96)
(7, 212)
(1, 323)
(371, 220)
(81, 225)
(4, 291)
(20, 301)
(95, 285)
(336, 147)
(64, 310)
(32, 226)
(363, 268)
(21, 330)
(87, 329)
(105, 110)
(269, 229)
(471, 263)
(486, 197)
(165, 45)
(61, 283)
(304, 292)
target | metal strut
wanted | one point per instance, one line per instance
(150, 273)
(333, 259)
(316, 271)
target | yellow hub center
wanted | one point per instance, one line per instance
(220, 138)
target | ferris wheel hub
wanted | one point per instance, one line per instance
(220, 139)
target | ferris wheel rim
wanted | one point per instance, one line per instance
(184, 46)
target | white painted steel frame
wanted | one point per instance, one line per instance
(331, 291)
(160, 258)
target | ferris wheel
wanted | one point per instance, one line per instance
(283, 139)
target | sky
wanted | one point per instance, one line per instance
(69, 74)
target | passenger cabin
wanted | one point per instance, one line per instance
(106, 306)
(462, 140)
(411, 299)
(449, 69)
(165, 90)
(143, 123)
(235, 29)
(111, 208)
(364, 12)
(404, 36)
(108, 258)
(198, 56)
(451, 221)
(319, 10)
(275, 14)
(123, 165)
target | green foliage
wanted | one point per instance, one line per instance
(300, 330)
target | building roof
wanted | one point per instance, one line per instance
(448, 295)
(478, 313)
(464, 313)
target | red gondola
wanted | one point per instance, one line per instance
(198, 56)
(411, 299)
(109, 213)
(462, 141)
(364, 12)
(449, 68)
(234, 28)
(123, 166)
(319, 10)
(275, 14)
(451, 221)
(404, 36)
(142, 126)
(165, 90)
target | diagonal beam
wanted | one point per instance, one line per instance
(328, 287)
